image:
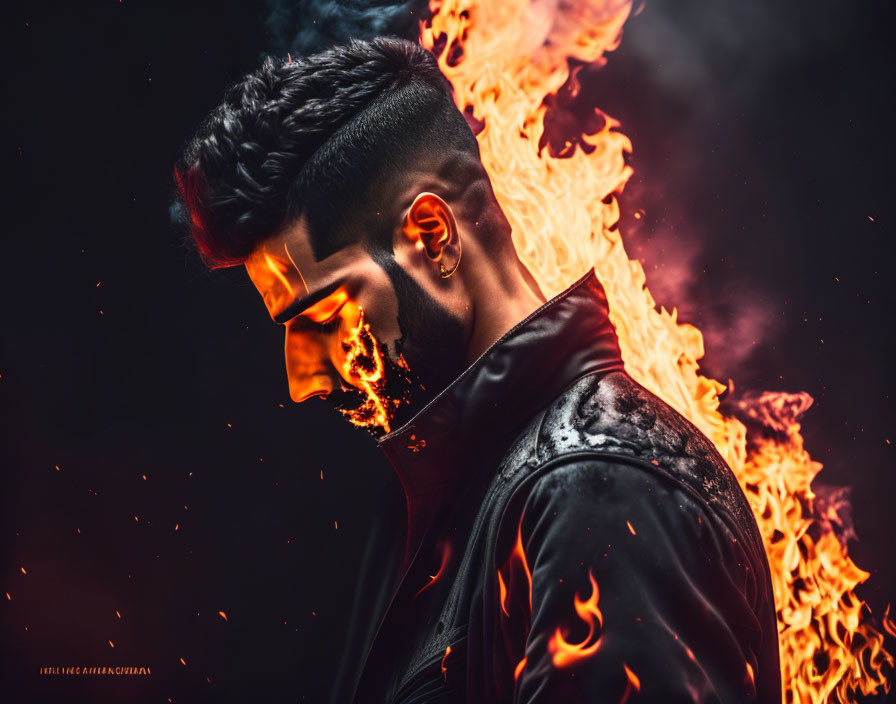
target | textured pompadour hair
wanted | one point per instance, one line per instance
(316, 136)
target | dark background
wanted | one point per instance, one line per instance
(152, 462)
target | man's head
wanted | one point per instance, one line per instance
(350, 182)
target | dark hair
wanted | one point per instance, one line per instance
(318, 136)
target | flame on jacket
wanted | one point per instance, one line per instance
(563, 652)
(446, 557)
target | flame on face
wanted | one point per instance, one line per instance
(364, 365)
(275, 277)
(280, 275)
(504, 57)
(563, 653)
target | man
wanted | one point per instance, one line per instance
(569, 536)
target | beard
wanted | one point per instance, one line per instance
(430, 355)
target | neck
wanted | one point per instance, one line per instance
(502, 297)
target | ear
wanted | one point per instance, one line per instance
(430, 225)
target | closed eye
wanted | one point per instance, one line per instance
(331, 323)
(304, 322)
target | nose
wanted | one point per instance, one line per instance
(309, 387)
(308, 367)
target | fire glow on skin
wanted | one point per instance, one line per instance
(338, 332)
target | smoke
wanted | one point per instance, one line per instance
(712, 54)
(693, 84)
(304, 27)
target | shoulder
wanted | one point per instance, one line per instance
(627, 517)
(613, 413)
(613, 417)
(612, 496)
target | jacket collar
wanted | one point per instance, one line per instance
(466, 429)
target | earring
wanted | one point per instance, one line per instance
(444, 272)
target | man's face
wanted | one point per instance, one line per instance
(359, 329)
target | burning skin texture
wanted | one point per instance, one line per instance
(380, 386)
(330, 347)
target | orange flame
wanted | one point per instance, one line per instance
(565, 653)
(444, 658)
(446, 556)
(519, 555)
(633, 685)
(502, 589)
(364, 363)
(504, 57)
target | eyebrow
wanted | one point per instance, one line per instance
(298, 306)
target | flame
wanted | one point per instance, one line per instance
(518, 555)
(502, 589)
(446, 556)
(565, 653)
(444, 668)
(633, 685)
(504, 58)
(364, 363)
(516, 559)
(274, 267)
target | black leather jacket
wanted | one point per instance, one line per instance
(545, 477)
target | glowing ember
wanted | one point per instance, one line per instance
(504, 57)
(563, 653)
(364, 363)
(520, 666)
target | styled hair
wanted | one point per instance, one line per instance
(317, 136)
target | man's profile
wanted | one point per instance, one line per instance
(570, 537)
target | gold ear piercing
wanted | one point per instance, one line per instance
(444, 272)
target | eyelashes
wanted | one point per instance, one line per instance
(332, 324)
(301, 322)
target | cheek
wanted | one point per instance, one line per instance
(380, 304)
